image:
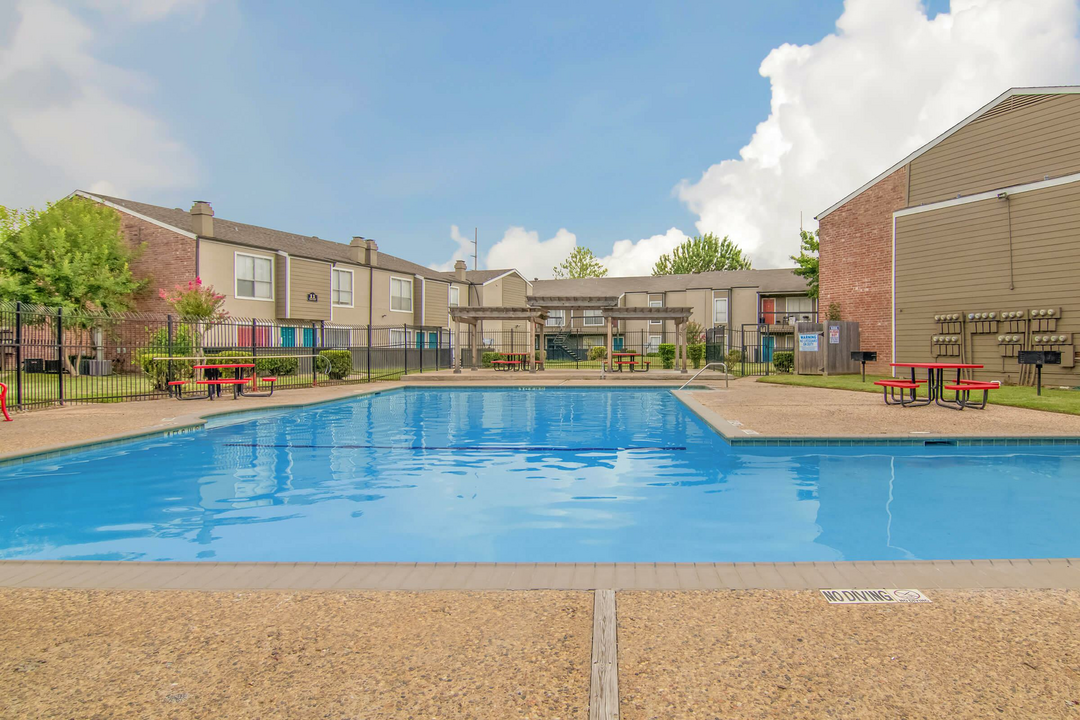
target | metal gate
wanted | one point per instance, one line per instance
(757, 346)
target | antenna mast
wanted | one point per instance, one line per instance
(475, 248)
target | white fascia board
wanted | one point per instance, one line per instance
(121, 208)
(989, 194)
(508, 272)
(1056, 90)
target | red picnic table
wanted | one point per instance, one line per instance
(935, 383)
(521, 358)
(216, 383)
(632, 361)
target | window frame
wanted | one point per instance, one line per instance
(411, 292)
(559, 316)
(450, 300)
(352, 288)
(655, 347)
(659, 304)
(586, 317)
(236, 276)
(727, 311)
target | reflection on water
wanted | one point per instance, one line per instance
(557, 475)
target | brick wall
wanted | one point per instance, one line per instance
(856, 263)
(168, 259)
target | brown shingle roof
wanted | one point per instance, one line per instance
(482, 276)
(259, 237)
(779, 280)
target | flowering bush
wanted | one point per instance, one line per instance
(195, 301)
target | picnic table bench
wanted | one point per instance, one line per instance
(935, 386)
(506, 364)
(213, 383)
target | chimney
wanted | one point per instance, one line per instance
(358, 250)
(372, 253)
(202, 219)
(459, 270)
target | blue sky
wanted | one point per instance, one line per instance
(399, 120)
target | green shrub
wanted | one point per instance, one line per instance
(597, 352)
(696, 351)
(489, 357)
(783, 361)
(340, 363)
(834, 312)
(733, 358)
(158, 346)
(667, 355)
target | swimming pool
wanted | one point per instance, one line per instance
(524, 475)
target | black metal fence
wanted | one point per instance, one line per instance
(51, 356)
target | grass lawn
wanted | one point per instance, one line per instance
(1062, 401)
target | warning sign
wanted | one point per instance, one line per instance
(808, 342)
(834, 334)
(878, 596)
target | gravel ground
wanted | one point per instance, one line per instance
(782, 410)
(787, 654)
(102, 654)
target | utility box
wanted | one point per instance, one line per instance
(826, 348)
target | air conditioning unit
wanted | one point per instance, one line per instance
(95, 368)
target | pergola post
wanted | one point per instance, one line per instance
(682, 334)
(608, 359)
(474, 345)
(542, 352)
(455, 345)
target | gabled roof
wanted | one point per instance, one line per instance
(1011, 92)
(304, 246)
(483, 277)
(779, 280)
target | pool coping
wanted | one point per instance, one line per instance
(187, 422)
(1060, 573)
(736, 436)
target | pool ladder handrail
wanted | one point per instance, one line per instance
(707, 366)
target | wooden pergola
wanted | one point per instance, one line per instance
(681, 315)
(473, 316)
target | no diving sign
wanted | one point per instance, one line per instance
(876, 596)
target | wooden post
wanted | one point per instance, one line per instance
(455, 348)
(681, 330)
(608, 360)
(476, 345)
(543, 344)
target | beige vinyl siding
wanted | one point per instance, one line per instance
(514, 290)
(281, 286)
(309, 276)
(217, 268)
(436, 303)
(956, 259)
(358, 313)
(743, 307)
(1017, 146)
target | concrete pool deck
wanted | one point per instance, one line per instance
(731, 654)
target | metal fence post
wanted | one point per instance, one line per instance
(314, 355)
(18, 354)
(369, 353)
(438, 348)
(60, 353)
(405, 347)
(168, 373)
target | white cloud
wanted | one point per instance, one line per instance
(464, 251)
(851, 105)
(66, 120)
(637, 258)
(524, 250)
(149, 10)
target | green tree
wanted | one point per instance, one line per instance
(581, 263)
(807, 260)
(703, 253)
(70, 255)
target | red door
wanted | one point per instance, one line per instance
(768, 310)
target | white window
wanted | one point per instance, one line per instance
(800, 305)
(593, 317)
(397, 338)
(400, 294)
(654, 343)
(455, 296)
(555, 318)
(659, 304)
(719, 316)
(254, 277)
(342, 281)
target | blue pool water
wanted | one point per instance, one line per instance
(540, 474)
